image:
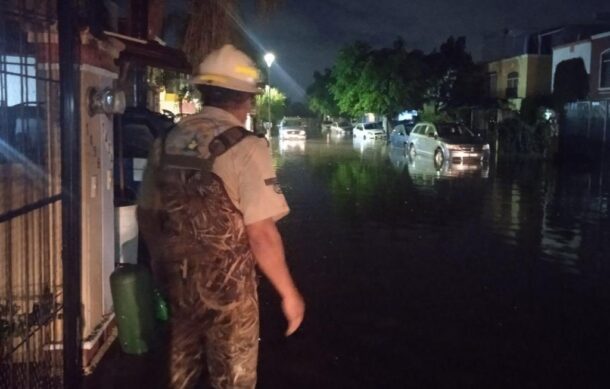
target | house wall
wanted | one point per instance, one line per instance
(97, 70)
(562, 53)
(534, 76)
(538, 75)
(502, 68)
(599, 44)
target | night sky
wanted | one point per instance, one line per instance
(306, 35)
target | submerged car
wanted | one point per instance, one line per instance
(399, 137)
(292, 128)
(369, 131)
(448, 141)
(341, 127)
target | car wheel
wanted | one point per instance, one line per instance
(439, 158)
(412, 152)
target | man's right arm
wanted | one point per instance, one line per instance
(268, 250)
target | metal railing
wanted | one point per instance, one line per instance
(32, 224)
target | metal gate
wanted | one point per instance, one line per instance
(32, 286)
(586, 130)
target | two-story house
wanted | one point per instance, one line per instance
(594, 53)
(522, 64)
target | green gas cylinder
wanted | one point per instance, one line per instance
(133, 298)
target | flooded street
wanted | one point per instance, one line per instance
(484, 277)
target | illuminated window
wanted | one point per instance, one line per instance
(604, 79)
(19, 79)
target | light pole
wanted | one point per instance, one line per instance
(269, 58)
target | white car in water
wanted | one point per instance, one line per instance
(369, 131)
(292, 128)
(341, 127)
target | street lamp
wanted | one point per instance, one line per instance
(269, 58)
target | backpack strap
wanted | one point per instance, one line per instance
(227, 139)
(218, 146)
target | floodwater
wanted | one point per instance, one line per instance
(465, 277)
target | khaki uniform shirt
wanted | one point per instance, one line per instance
(246, 169)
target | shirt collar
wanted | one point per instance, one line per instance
(220, 115)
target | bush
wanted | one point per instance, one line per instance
(531, 106)
(515, 137)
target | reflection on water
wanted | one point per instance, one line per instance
(335, 137)
(557, 216)
(425, 166)
(452, 275)
(294, 146)
(371, 146)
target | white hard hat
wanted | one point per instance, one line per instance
(228, 68)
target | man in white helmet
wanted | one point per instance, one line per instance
(207, 210)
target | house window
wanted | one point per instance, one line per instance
(19, 79)
(512, 85)
(604, 79)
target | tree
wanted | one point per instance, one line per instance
(346, 74)
(571, 82)
(278, 105)
(384, 81)
(212, 23)
(319, 97)
(389, 80)
(453, 79)
(297, 109)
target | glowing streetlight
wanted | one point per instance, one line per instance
(269, 58)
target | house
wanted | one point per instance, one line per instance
(599, 80)
(585, 124)
(595, 55)
(60, 219)
(518, 77)
(573, 50)
(521, 64)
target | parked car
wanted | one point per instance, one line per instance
(399, 137)
(292, 128)
(369, 131)
(447, 142)
(341, 127)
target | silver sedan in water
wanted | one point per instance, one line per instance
(452, 142)
(399, 137)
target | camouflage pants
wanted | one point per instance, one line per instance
(211, 330)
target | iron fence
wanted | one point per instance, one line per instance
(585, 129)
(31, 276)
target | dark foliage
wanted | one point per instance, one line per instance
(571, 82)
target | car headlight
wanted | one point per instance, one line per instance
(452, 147)
(486, 147)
